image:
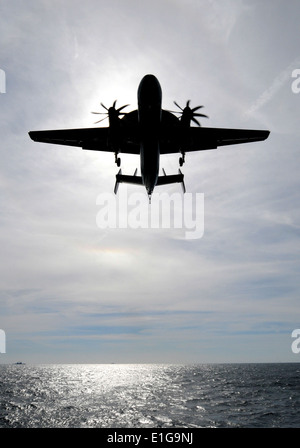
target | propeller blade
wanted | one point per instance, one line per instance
(104, 106)
(196, 108)
(196, 121)
(178, 106)
(123, 107)
(99, 113)
(100, 120)
(188, 103)
(200, 115)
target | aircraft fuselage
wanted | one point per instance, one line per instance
(149, 117)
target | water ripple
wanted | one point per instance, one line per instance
(245, 395)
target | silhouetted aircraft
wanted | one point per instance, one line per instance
(149, 132)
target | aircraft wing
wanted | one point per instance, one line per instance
(200, 139)
(174, 139)
(96, 139)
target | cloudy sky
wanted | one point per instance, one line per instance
(73, 292)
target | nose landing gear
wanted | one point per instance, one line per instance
(182, 159)
(117, 160)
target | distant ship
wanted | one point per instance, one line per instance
(19, 363)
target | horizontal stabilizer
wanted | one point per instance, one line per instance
(124, 178)
(171, 179)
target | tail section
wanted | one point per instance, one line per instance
(161, 180)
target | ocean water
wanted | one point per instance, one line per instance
(150, 396)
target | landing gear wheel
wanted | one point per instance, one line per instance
(117, 159)
(181, 161)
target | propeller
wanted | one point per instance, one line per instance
(112, 113)
(188, 114)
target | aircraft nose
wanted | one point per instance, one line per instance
(149, 79)
(149, 89)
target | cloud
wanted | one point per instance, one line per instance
(66, 283)
(274, 88)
